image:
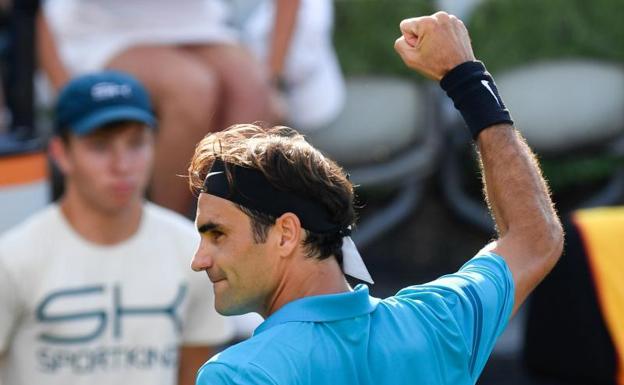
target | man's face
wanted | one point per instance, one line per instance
(244, 273)
(109, 169)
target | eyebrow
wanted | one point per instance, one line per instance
(208, 226)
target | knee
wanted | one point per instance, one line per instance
(252, 90)
(192, 98)
(246, 83)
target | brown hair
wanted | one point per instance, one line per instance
(291, 164)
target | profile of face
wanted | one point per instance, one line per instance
(108, 169)
(244, 272)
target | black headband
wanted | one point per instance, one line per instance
(251, 189)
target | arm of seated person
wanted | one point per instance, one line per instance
(286, 12)
(190, 359)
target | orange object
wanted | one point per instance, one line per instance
(23, 169)
(602, 230)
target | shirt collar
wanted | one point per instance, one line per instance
(323, 308)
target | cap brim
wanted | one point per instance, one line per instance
(110, 115)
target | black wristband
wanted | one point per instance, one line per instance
(475, 95)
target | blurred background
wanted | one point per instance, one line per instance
(559, 66)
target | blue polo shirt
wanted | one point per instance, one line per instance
(440, 332)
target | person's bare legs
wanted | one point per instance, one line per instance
(244, 84)
(184, 93)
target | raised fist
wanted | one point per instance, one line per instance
(433, 45)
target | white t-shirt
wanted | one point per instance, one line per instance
(72, 312)
(89, 33)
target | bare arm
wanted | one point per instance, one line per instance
(49, 58)
(530, 237)
(285, 18)
(190, 360)
(530, 234)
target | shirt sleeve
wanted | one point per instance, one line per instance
(217, 373)
(9, 307)
(203, 325)
(473, 304)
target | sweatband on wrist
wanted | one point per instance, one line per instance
(475, 96)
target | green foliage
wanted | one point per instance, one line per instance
(365, 31)
(563, 174)
(507, 33)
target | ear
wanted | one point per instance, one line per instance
(58, 151)
(289, 233)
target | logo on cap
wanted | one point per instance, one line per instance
(107, 90)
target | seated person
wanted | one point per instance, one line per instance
(188, 58)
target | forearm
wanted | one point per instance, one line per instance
(530, 234)
(515, 190)
(286, 12)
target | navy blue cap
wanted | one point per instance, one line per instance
(91, 101)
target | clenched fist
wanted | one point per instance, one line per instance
(433, 45)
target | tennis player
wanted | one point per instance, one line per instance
(275, 215)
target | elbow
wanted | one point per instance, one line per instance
(543, 242)
(557, 237)
(550, 244)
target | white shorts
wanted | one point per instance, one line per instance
(89, 33)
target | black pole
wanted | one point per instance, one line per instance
(21, 67)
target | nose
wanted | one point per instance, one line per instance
(202, 259)
(122, 159)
